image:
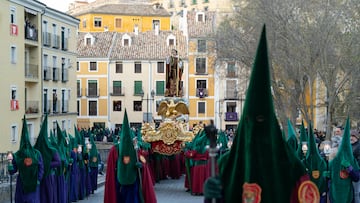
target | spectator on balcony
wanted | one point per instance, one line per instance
(54, 102)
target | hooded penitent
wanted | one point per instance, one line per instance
(44, 146)
(292, 140)
(259, 165)
(63, 149)
(341, 188)
(93, 152)
(27, 161)
(127, 171)
(315, 164)
(303, 138)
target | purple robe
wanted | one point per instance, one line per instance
(32, 197)
(74, 173)
(62, 190)
(93, 178)
(48, 186)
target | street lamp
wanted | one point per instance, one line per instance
(147, 102)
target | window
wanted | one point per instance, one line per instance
(230, 106)
(14, 132)
(137, 105)
(200, 17)
(93, 66)
(116, 105)
(201, 84)
(160, 87)
(13, 54)
(78, 107)
(77, 66)
(160, 67)
(78, 88)
(97, 22)
(92, 88)
(88, 41)
(13, 93)
(137, 67)
(201, 107)
(231, 71)
(171, 42)
(200, 65)
(84, 23)
(118, 22)
(201, 46)
(116, 87)
(126, 42)
(119, 67)
(156, 23)
(137, 87)
(12, 15)
(194, 2)
(230, 93)
(92, 108)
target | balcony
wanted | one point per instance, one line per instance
(47, 39)
(55, 74)
(92, 92)
(79, 92)
(201, 92)
(231, 74)
(31, 71)
(47, 106)
(54, 106)
(117, 91)
(47, 73)
(32, 107)
(31, 33)
(56, 41)
(231, 116)
(65, 106)
(65, 44)
(64, 75)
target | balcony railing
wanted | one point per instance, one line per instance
(56, 41)
(46, 39)
(92, 92)
(201, 92)
(55, 74)
(31, 33)
(231, 74)
(117, 91)
(31, 71)
(64, 75)
(65, 106)
(47, 106)
(47, 73)
(79, 92)
(31, 107)
(231, 116)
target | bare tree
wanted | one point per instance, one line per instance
(312, 44)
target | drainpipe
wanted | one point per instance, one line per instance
(41, 66)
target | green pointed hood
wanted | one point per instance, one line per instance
(63, 149)
(200, 142)
(223, 140)
(259, 154)
(341, 189)
(127, 171)
(303, 138)
(28, 174)
(292, 140)
(44, 146)
(93, 152)
(314, 163)
(80, 141)
(142, 144)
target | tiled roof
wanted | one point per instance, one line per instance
(201, 29)
(101, 45)
(148, 46)
(127, 9)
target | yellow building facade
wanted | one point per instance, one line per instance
(24, 80)
(141, 17)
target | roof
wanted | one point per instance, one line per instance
(148, 46)
(144, 46)
(198, 28)
(127, 9)
(100, 48)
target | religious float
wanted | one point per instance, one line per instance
(170, 136)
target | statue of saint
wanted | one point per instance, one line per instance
(174, 71)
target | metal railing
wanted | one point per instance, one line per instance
(65, 106)
(31, 71)
(55, 74)
(46, 39)
(117, 91)
(31, 107)
(56, 41)
(79, 92)
(92, 92)
(31, 33)
(47, 73)
(64, 75)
